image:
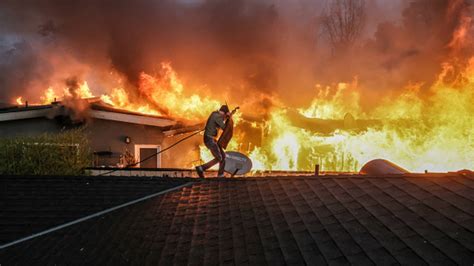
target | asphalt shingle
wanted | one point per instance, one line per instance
(271, 221)
(33, 204)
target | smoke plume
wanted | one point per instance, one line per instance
(269, 49)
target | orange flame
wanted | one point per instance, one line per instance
(49, 96)
(433, 133)
(19, 100)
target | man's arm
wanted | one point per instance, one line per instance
(220, 122)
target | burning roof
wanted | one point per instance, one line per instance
(95, 109)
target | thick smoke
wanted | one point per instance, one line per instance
(273, 49)
(18, 68)
(414, 49)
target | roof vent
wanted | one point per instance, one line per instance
(382, 167)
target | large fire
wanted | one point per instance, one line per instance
(392, 84)
(162, 96)
(434, 133)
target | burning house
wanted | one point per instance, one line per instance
(397, 87)
(117, 137)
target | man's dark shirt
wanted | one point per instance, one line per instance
(214, 122)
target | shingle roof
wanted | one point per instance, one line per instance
(32, 204)
(297, 220)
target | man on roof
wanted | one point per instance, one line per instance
(217, 120)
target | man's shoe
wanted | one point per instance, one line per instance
(199, 171)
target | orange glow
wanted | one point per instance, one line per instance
(49, 96)
(19, 100)
(163, 95)
(432, 132)
(460, 34)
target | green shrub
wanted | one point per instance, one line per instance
(65, 153)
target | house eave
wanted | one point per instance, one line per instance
(24, 114)
(133, 119)
(51, 112)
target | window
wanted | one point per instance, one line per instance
(143, 151)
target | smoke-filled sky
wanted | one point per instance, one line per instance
(269, 47)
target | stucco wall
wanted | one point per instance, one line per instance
(28, 127)
(104, 135)
(183, 155)
(110, 136)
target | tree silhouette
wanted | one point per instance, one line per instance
(343, 22)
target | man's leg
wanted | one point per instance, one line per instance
(216, 152)
(220, 173)
(209, 164)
